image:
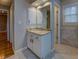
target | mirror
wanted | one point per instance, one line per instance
(43, 17)
(39, 17)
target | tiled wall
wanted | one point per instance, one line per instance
(70, 35)
(70, 30)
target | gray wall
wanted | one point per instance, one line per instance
(20, 23)
(70, 35)
(69, 31)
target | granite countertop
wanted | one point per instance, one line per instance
(38, 31)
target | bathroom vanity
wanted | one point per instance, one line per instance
(38, 33)
(39, 42)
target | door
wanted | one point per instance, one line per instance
(57, 20)
(3, 22)
(48, 19)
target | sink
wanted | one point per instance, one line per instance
(38, 31)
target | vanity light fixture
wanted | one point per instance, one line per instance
(46, 4)
(39, 3)
(39, 7)
(36, 3)
(43, 1)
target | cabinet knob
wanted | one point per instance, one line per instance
(36, 37)
(31, 40)
(31, 35)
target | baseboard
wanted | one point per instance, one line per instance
(19, 50)
(53, 50)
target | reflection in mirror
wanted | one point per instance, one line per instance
(43, 17)
(39, 16)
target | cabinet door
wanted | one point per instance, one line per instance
(29, 41)
(37, 46)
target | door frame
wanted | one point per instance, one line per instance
(59, 40)
(7, 25)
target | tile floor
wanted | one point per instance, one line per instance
(61, 52)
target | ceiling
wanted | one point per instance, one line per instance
(5, 2)
(31, 1)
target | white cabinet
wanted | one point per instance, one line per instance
(37, 47)
(39, 44)
(29, 41)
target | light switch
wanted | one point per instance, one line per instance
(19, 22)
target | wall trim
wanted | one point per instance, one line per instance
(58, 6)
(53, 50)
(19, 50)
